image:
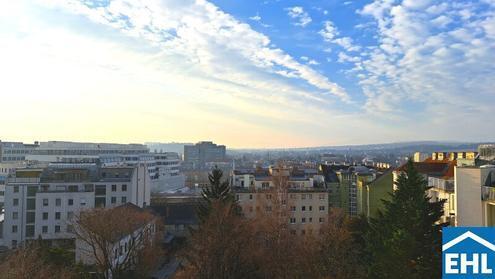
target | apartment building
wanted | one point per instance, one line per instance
(284, 191)
(39, 202)
(475, 195)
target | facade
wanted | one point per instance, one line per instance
(198, 155)
(370, 195)
(475, 195)
(40, 202)
(284, 191)
(487, 152)
(15, 151)
(178, 212)
(419, 157)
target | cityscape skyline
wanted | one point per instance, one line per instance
(349, 73)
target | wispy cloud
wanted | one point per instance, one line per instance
(302, 17)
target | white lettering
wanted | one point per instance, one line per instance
(484, 264)
(474, 263)
(451, 263)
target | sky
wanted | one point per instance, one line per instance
(247, 73)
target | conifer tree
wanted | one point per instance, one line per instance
(404, 241)
(217, 192)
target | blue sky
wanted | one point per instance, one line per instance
(249, 73)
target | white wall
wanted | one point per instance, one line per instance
(469, 211)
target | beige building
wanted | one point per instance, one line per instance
(282, 191)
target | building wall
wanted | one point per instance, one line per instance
(306, 211)
(468, 204)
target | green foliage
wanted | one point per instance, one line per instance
(217, 192)
(404, 241)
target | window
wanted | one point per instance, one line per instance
(322, 196)
(310, 208)
(322, 219)
(82, 201)
(58, 202)
(310, 196)
(100, 202)
(100, 190)
(124, 187)
(31, 191)
(292, 220)
(70, 228)
(293, 196)
(57, 229)
(45, 202)
(31, 204)
(250, 196)
(237, 197)
(124, 199)
(303, 232)
(70, 214)
(14, 229)
(303, 208)
(15, 202)
(268, 208)
(73, 188)
(45, 215)
(268, 196)
(293, 232)
(44, 229)
(14, 243)
(250, 209)
(113, 199)
(303, 220)
(15, 215)
(16, 189)
(310, 219)
(29, 230)
(30, 217)
(303, 196)
(70, 201)
(292, 208)
(57, 215)
(114, 188)
(322, 208)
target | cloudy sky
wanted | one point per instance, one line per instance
(246, 73)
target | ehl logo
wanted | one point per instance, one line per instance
(468, 252)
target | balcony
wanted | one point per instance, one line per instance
(23, 180)
(488, 193)
(442, 184)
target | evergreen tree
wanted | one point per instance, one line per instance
(404, 241)
(217, 192)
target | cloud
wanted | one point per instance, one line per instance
(343, 58)
(330, 33)
(298, 13)
(426, 68)
(214, 42)
(255, 18)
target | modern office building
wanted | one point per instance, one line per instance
(15, 151)
(198, 155)
(39, 202)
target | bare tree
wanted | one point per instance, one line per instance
(114, 238)
(27, 262)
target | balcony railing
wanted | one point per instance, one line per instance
(23, 180)
(442, 184)
(488, 193)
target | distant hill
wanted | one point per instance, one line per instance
(403, 147)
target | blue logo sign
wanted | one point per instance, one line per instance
(468, 252)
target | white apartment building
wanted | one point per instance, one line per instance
(40, 202)
(475, 195)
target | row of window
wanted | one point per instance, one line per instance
(70, 214)
(44, 229)
(304, 220)
(292, 196)
(309, 208)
